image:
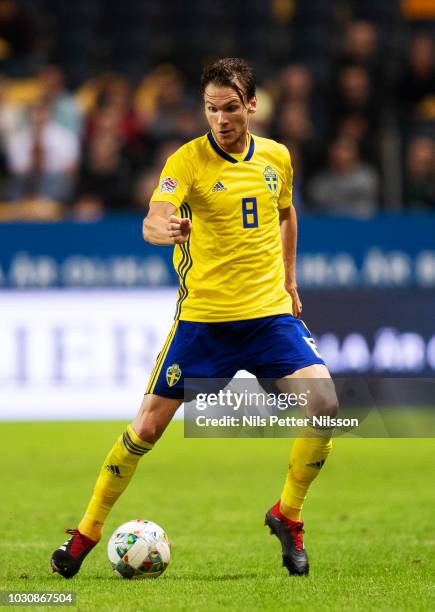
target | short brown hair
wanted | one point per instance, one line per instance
(231, 72)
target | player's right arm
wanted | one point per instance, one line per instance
(162, 227)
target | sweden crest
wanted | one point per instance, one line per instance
(271, 178)
(173, 374)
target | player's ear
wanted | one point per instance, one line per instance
(252, 105)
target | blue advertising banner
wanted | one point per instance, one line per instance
(380, 332)
(110, 253)
(388, 251)
(80, 354)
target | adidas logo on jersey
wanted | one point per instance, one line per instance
(219, 187)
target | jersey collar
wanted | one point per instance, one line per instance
(226, 155)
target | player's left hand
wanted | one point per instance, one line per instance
(296, 302)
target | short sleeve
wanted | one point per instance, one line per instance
(285, 197)
(175, 179)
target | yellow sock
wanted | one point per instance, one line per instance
(307, 456)
(115, 474)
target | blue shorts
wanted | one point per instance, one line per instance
(269, 348)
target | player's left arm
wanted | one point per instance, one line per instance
(289, 231)
(289, 234)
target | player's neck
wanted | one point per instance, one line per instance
(237, 147)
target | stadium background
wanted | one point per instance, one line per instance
(93, 97)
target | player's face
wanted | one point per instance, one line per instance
(228, 116)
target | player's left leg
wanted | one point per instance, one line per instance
(307, 457)
(310, 451)
(285, 352)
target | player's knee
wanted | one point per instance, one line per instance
(148, 430)
(153, 417)
(325, 404)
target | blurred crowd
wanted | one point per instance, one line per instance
(359, 122)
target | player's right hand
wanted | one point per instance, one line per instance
(179, 229)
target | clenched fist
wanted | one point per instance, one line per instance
(179, 229)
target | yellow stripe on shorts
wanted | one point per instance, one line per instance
(160, 359)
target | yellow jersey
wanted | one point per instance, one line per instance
(231, 268)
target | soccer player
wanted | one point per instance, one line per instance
(225, 201)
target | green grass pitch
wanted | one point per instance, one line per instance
(369, 521)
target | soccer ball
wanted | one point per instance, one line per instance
(139, 549)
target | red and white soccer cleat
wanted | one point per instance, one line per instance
(68, 558)
(290, 534)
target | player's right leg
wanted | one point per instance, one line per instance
(116, 472)
(192, 350)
